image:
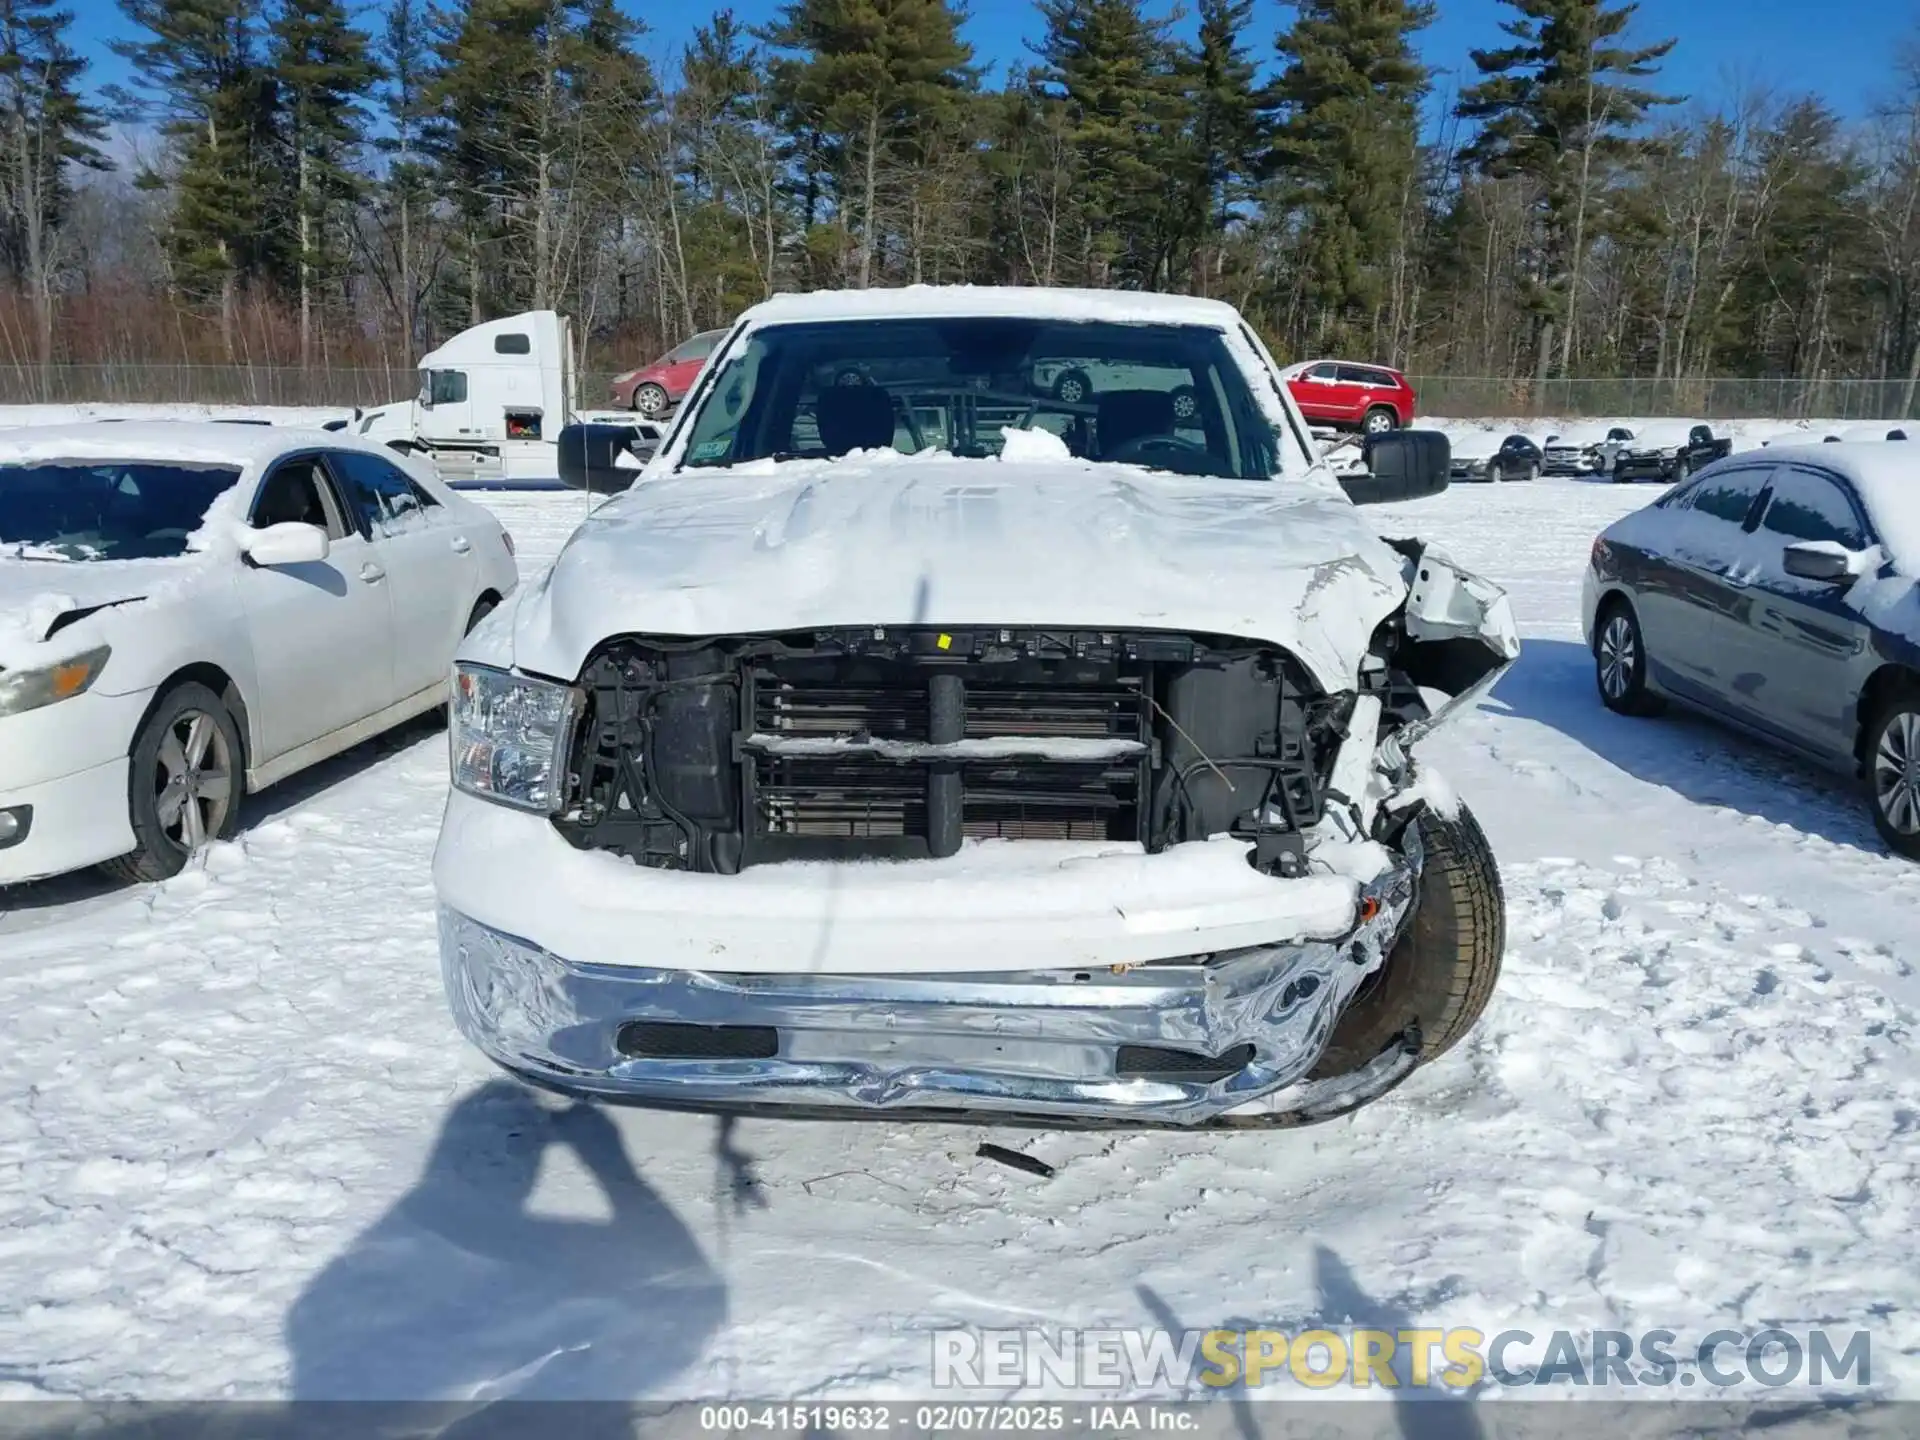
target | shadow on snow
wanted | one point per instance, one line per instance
(458, 1292)
(1694, 757)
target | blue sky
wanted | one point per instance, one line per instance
(1842, 50)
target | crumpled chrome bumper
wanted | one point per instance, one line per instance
(1037, 1045)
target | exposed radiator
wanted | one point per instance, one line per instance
(923, 759)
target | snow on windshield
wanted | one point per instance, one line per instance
(1170, 396)
(78, 510)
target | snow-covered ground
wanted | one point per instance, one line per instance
(244, 1153)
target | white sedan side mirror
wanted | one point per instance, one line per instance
(288, 543)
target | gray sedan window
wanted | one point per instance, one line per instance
(1728, 495)
(1806, 506)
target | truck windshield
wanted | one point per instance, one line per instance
(1168, 397)
(105, 510)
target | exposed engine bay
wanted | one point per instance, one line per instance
(903, 742)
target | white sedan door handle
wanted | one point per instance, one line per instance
(371, 572)
(461, 544)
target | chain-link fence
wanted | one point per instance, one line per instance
(143, 383)
(1464, 396)
(140, 383)
(1467, 396)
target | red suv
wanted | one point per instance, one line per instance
(1339, 392)
(659, 387)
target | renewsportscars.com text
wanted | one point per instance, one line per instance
(1461, 1358)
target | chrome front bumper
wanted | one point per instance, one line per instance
(1039, 1045)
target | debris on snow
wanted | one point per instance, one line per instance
(1015, 1159)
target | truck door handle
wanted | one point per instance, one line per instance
(461, 544)
(372, 573)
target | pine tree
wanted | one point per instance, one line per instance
(1559, 108)
(49, 128)
(876, 81)
(1801, 282)
(1223, 99)
(461, 103)
(1115, 70)
(201, 78)
(321, 63)
(1029, 208)
(404, 194)
(532, 103)
(732, 160)
(1344, 157)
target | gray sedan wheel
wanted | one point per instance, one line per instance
(1893, 773)
(1620, 661)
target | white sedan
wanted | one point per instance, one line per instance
(191, 611)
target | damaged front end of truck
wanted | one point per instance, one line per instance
(1071, 774)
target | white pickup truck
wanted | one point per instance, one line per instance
(492, 402)
(931, 744)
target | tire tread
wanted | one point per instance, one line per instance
(1442, 972)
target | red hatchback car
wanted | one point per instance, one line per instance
(1361, 397)
(660, 386)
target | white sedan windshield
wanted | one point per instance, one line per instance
(1168, 396)
(105, 509)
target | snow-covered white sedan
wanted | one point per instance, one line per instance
(191, 611)
(930, 744)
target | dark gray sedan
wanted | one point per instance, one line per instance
(1778, 590)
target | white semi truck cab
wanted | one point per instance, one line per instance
(492, 401)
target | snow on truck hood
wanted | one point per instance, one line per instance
(890, 540)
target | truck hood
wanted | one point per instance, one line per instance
(890, 540)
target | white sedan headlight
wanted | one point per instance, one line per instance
(510, 735)
(22, 690)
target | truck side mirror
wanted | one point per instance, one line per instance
(589, 456)
(1400, 465)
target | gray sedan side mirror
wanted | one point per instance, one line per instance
(1400, 465)
(1819, 560)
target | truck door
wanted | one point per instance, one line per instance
(446, 406)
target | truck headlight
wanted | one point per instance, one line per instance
(510, 735)
(22, 690)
